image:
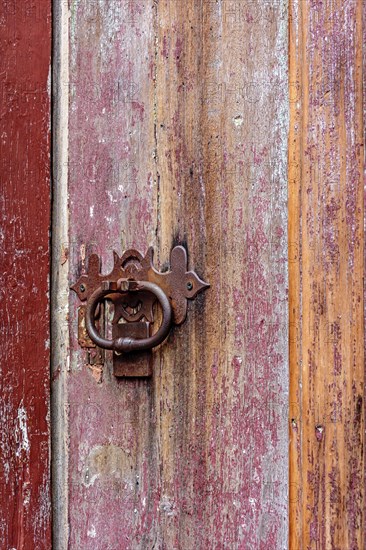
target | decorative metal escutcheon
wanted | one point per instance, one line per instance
(134, 287)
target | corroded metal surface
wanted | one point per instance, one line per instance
(122, 289)
(134, 364)
(177, 134)
(83, 337)
(134, 286)
(178, 284)
(326, 212)
(25, 45)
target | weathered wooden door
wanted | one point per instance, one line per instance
(234, 129)
(173, 120)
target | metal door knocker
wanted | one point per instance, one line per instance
(134, 286)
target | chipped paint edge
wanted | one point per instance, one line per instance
(59, 275)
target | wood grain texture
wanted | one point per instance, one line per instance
(178, 134)
(326, 292)
(60, 353)
(113, 481)
(25, 43)
(222, 123)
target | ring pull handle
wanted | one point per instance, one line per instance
(125, 345)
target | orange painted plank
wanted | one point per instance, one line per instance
(326, 228)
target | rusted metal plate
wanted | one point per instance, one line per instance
(25, 44)
(178, 283)
(83, 337)
(135, 364)
(178, 136)
(134, 286)
(326, 215)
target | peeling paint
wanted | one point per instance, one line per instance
(25, 66)
(179, 154)
(92, 532)
(108, 461)
(326, 212)
(22, 432)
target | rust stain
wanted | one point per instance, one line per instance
(97, 372)
(64, 254)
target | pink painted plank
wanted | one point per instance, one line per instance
(112, 206)
(178, 120)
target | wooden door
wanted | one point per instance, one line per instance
(173, 120)
(234, 129)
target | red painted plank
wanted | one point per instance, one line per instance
(25, 44)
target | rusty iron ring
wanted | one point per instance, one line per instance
(125, 345)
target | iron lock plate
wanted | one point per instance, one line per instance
(134, 287)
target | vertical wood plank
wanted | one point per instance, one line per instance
(60, 349)
(294, 235)
(25, 44)
(326, 302)
(113, 481)
(222, 145)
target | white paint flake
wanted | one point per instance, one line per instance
(238, 121)
(22, 432)
(92, 532)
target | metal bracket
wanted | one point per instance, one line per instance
(134, 286)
